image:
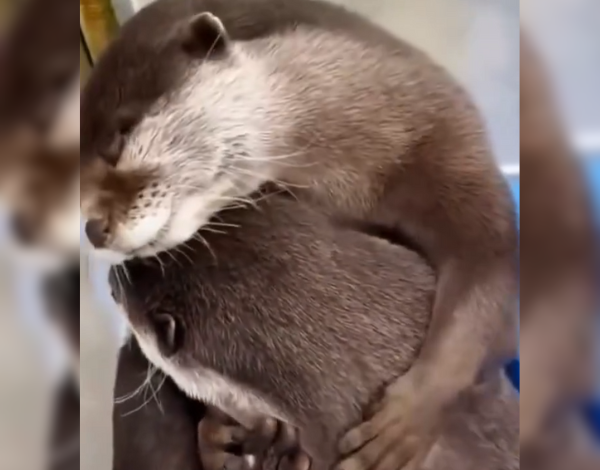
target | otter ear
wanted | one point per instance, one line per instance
(168, 333)
(205, 35)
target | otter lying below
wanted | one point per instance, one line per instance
(289, 316)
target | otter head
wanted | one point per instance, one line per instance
(42, 203)
(39, 118)
(39, 187)
(153, 312)
(175, 126)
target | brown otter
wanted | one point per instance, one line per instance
(39, 127)
(155, 428)
(38, 99)
(64, 442)
(198, 102)
(155, 425)
(291, 316)
(39, 60)
(560, 295)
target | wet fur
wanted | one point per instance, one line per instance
(309, 321)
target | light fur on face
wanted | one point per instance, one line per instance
(209, 386)
(288, 109)
(208, 145)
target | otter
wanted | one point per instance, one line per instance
(560, 295)
(39, 60)
(156, 428)
(39, 131)
(64, 442)
(39, 183)
(39, 118)
(60, 294)
(197, 103)
(291, 316)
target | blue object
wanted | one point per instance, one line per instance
(592, 410)
(513, 369)
(592, 168)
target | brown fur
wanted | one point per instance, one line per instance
(38, 58)
(64, 444)
(161, 433)
(61, 301)
(559, 284)
(566, 445)
(39, 64)
(116, 192)
(41, 182)
(156, 434)
(316, 319)
(558, 233)
(61, 298)
(405, 154)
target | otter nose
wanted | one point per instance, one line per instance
(23, 229)
(97, 232)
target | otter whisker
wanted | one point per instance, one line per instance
(122, 298)
(161, 264)
(155, 393)
(201, 239)
(280, 160)
(245, 172)
(207, 228)
(147, 385)
(213, 45)
(222, 224)
(122, 267)
(143, 386)
(242, 201)
(173, 257)
(141, 407)
(179, 249)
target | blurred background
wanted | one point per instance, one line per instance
(477, 40)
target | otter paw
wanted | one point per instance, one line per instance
(296, 460)
(217, 431)
(400, 432)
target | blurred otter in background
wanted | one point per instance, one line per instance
(39, 63)
(39, 107)
(559, 270)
